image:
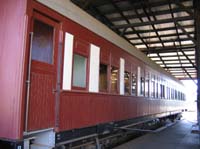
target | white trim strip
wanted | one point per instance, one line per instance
(94, 68)
(121, 79)
(67, 67)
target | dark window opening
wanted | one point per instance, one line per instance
(114, 80)
(142, 81)
(103, 79)
(134, 84)
(153, 86)
(127, 83)
(147, 85)
(162, 91)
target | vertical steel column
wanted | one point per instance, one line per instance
(197, 50)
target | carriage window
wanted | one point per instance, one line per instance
(79, 71)
(114, 78)
(134, 84)
(103, 77)
(168, 93)
(184, 97)
(127, 83)
(153, 86)
(147, 85)
(179, 95)
(156, 88)
(42, 46)
(172, 93)
(142, 80)
(175, 94)
(162, 91)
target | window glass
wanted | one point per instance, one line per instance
(156, 88)
(162, 91)
(184, 97)
(176, 97)
(103, 77)
(142, 80)
(79, 71)
(179, 96)
(147, 85)
(172, 93)
(42, 45)
(153, 86)
(134, 84)
(114, 78)
(127, 83)
(168, 93)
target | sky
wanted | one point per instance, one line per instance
(191, 94)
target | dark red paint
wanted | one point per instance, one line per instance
(76, 109)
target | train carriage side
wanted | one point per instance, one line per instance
(79, 83)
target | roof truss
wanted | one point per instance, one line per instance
(156, 27)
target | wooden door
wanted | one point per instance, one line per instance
(41, 106)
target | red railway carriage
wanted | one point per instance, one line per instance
(63, 78)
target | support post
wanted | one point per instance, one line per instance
(197, 36)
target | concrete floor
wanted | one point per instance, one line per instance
(177, 136)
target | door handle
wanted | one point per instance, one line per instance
(55, 91)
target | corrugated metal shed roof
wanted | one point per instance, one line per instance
(162, 29)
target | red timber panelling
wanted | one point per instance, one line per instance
(105, 56)
(81, 47)
(115, 59)
(12, 30)
(78, 110)
(41, 115)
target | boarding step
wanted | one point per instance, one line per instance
(39, 146)
(40, 140)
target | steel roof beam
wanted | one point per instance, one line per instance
(185, 18)
(165, 35)
(137, 5)
(179, 67)
(168, 49)
(185, 78)
(98, 15)
(156, 13)
(164, 41)
(182, 72)
(181, 6)
(118, 10)
(179, 40)
(168, 55)
(155, 30)
(171, 61)
(186, 33)
(159, 29)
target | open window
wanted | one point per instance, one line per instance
(134, 84)
(127, 89)
(153, 86)
(142, 83)
(114, 79)
(168, 93)
(147, 85)
(162, 86)
(103, 78)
